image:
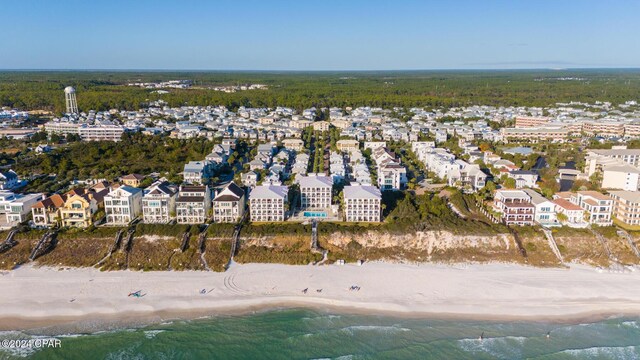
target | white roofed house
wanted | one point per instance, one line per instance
(524, 178)
(16, 207)
(229, 204)
(392, 177)
(159, 203)
(122, 205)
(217, 158)
(470, 175)
(362, 203)
(514, 206)
(193, 204)
(196, 172)
(250, 179)
(315, 192)
(545, 209)
(268, 203)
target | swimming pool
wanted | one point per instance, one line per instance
(315, 214)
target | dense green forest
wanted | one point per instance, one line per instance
(32, 90)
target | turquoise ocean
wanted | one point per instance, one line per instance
(307, 334)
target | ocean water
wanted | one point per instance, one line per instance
(305, 334)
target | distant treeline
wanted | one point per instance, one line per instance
(105, 90)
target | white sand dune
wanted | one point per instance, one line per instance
(494, 291)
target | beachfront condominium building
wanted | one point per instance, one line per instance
(362, 203)
(315, 191)
(229, 204)
(598, 158)
(193, 204)
(268, 203)
(514, 206)
(122, 205)
(598, 207)
(159, 203)
(15, 208)
(621, 177)
(626, 206)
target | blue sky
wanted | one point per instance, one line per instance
(319, 35)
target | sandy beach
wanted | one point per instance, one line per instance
(33, 297)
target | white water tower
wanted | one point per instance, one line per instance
(70, 98)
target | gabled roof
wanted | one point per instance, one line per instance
(54, 201)
(565, 204)
(231, 192)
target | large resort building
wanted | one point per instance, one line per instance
(268, 203)
(315, 192)
(362, 203)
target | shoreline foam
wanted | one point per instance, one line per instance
(40, 298)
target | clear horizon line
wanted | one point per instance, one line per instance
(547, 68)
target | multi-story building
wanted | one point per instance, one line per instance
(514, 206)
(598, 158)
(321, 125)
(133, 180)
(598, 207)
(545, 209)
(101, 132)
(573, 214)
(315, 191)
(80, 206)
(159, 203)
(196, 172)
(621, 177)
(122, 205)
(603, 128)
(524, 178)
(268, 203)
(531, 121)
(193, 204)
(229, 204)
(293, 144)
(552, 134)
(392, 177)
(347, 145)
(362, 203)
(46, 212)
(16, 207)
(626, 206)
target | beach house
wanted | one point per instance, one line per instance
(229, 204)
(193, 204)
(514, 206)
(122, 205)
(80, 205)
(159, 203)
(315, 192)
